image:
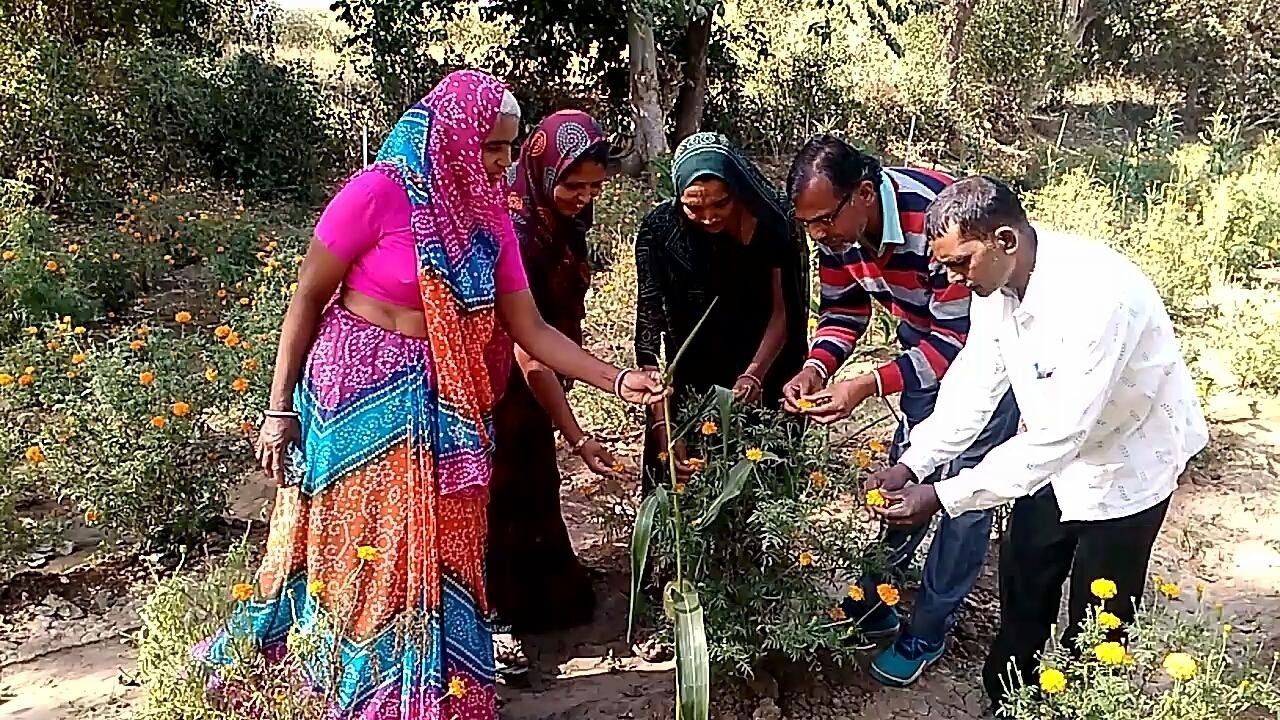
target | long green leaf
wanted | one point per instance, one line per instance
(640, 536)
(734, 482)
(724, 402)
(693, 661)
(671, 369)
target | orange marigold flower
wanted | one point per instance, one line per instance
(877, 446)
(696, 464)
(73, 248)
(9, 255)
(240, 385)
(53, 345)
(158, 422)
(222, 293)
(806, 559)
(678, 487)
(242, 592)
(78, 358)
(837, 613)
(818, 479)
(91, 516)
(146, 377)
(863, 459)
(144, 331)
(250, 364)
(888, 594)
(137, 345)
(232, 340)
(710, 428)
(26, 379)
(181, 409)
(246, 427)
(35, 455)
(182, 317)
(222, 331)
(51, 266)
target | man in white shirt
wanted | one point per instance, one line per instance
(1109, 408)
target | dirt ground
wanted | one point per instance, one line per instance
(66, 652)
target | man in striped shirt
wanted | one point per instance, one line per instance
(869, 225)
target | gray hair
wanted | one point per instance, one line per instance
(510, 106)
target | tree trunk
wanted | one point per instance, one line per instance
(692, 99)
(646, 99)
(1075, 17)
(961, 11)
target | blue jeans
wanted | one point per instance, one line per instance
(960, 544)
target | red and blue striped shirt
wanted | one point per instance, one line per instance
(933, 314)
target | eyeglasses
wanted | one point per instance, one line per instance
(829, 218)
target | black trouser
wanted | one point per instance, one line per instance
(1036, 556)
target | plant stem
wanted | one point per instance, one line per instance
(676, 520)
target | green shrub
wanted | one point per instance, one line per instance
(1179, 662)
(766, 528)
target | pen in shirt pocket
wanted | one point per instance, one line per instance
(1041, 374)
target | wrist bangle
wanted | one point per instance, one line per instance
(582, 442)
(280, 413)
(752, 378)
(617, 381)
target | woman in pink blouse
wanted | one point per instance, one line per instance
(379, 430)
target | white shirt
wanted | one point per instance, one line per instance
(1110, 409)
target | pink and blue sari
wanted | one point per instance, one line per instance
(372, 587)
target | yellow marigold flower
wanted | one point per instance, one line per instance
(136, 345)
(182, 317)
(222, 331)
(91, 516)
(245, 301)
(146, 377)
(78, 358)
(115, 256)
(73, 248)
(1052, 681)
(158, 422)
(9, 255)
(35, 455)
(806, 559)
(863, 459)
(877, 446)
(242, 592)
(805, 404)
(26, 379)
(709, 428)
(1110, 653)
(837, 613)
(31, 330)
(1170, 590)
(856, 594)
(51, 266)
(457, 687)
(1226, 629)
(144, 331)
(315, 587)
(875, 498)
(80, 330)
(181, 409)
(240, 385)
(368, 553)
(755, 454)
(29, 370)
(211, 374)
(1107, 621)
(888, 594)
(1181, 666)
(6, 379)
(249, 364)
(818, 479)
(1103, 589)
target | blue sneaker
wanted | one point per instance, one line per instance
(877, 628)
(905, 661)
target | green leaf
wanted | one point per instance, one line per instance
(724, 402)
(734, 482)
(640, 536)
(693, 662)
(671, 369)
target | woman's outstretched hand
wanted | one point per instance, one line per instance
(643, 387)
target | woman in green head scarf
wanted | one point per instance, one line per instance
(728, 233)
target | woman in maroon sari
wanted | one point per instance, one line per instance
(535, 581)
